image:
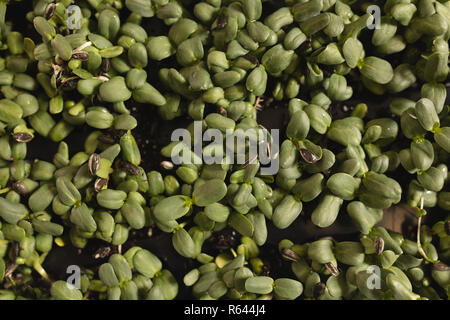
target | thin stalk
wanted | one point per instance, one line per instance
(419, 244)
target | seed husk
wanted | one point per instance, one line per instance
(379, 245)
(69, 83)
(102, 253)
(167, 165)
(106, 138)
(268, 149)
(20, 188)
(332, 268)
(99, 184)
(129, 168)
(80, 55)
(94, 163)
(254, 60)
(441, 266)
(49, 10)
(111, 136)
(106, 65)
(319, 289)
(221, 22)
(23, 137)
(289, 254)
(447, 227)
(308, 156)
